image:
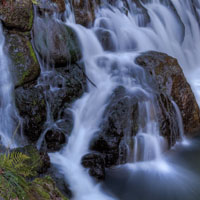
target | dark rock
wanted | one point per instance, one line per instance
(171, 80)
(25, 67)
(67, 84)
(46, 164)
(54, 139)
(17, 14)
(119, 124)
(30, 102)
(95, 163)
(55, 42)
(70, 82)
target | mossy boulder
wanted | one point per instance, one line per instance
(25, 66)
(170, 79)
(17, 14)
(55, 42)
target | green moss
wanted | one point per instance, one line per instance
(19, 58)
(30, 24)
(31, 50)
(25, 74)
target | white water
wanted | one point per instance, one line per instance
(9, 122)
(164, 34)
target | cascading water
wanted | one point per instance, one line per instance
(173, 32)
(9, 121)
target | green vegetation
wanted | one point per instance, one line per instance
(16, 171)
(32, 53)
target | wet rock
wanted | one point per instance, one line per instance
(106, 38)
(60, 5)
(54, 139)
(17, 14)
(95, 163)
(167, 119)
(70, 82)
(136, 7)
(119, 125)
(50, 7)
(59, 90)
(31, 105)
(24, 67)
(55, 42)
(84, 12)
(171, 80)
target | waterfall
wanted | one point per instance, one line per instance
(9, 121)
(171, 28)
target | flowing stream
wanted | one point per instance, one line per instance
(173, 28)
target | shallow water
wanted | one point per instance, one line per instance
(175, 177)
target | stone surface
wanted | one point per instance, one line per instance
(24, 67)
(96, 165)
(55, 42)
(171, 80)
(17, 14)
(84, 12)
(30, 102)
(119, 124)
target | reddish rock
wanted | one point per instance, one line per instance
(171, 80)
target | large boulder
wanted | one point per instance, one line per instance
(25, 67)
(55, 42)
(170, 79)
(17, 14)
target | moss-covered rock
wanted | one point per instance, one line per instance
(24, 67)
(170, 79)
(17, 14)
(55, 42)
